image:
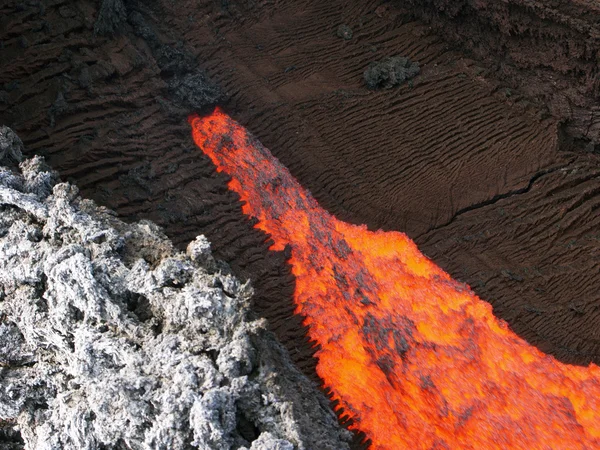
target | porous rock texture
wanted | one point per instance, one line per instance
(111, 338)
(390, 72)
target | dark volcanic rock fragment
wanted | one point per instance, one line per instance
(195, 91)
(12, 344)
(174, 61)
(188, 85)
(345, 32)
(11, 147)
(142, 29)
(111, 17)
(390, 72)
(10, 437)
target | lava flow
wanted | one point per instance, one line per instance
(413, 357)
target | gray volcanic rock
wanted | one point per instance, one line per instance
(11, 147)
(111, 338)
(195, 90)
(111, 17)
(390, 72)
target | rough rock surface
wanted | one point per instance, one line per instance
(390, 72)
(11, 147)
(111, 17)
(114, 339)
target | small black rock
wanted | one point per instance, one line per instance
(345, 32)
(390, 72)
(195, 90)
(111, 17)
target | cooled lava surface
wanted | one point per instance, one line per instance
(414, 358)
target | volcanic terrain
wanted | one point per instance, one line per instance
(489, 158)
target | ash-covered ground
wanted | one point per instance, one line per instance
(112, 338)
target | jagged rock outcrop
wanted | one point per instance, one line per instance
(114, 339)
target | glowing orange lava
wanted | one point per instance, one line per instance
(415, 358)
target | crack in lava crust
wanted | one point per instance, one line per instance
(414, 358)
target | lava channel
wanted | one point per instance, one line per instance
(414, 358)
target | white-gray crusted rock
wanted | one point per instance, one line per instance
(113, 339)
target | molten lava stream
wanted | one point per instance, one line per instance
(414, 357)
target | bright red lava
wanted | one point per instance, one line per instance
(414, 357)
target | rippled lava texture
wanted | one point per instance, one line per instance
(413, 357)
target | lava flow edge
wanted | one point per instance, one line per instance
(414, 358)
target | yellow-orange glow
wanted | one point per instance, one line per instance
(414, 358)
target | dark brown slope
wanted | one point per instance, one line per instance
(405, 158)
(440, 160)
(547, 49)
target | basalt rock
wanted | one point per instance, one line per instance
(344, 32)
(189, 87)
(114, 339)
(195, 91)
(390, 72)
(111, 17)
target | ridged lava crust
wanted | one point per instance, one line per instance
(480, 179)
(547, 49)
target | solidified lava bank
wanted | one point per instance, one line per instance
(110, 338)
(414, 358)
